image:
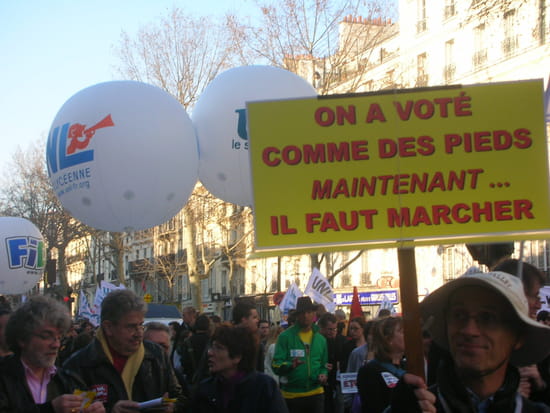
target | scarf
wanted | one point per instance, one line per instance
(131, 367)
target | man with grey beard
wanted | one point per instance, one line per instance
(29, 379)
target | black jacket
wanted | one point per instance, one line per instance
(91, 367)
(255, 392)
(452, 396)
(375, 385)
(15, 395)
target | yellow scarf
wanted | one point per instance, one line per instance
(132, 364)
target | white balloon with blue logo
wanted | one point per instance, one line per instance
(22, 255)
(122, 156)
(220, 123)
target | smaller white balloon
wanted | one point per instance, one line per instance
(220, 122)
(22, 255)
(122, 156)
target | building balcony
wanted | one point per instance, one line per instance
(421, 26)
(510, 45)
(480, 58)
(422, 80)
(449, 73)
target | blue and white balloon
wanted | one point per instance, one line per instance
(22, 255)
(219, 118)
(122, 156)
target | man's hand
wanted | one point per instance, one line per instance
(425, 398)
(95, 407)
(532, 374)
(524, 387)
(125, 406)
(322, 378)
(67, 403)
(296, 362)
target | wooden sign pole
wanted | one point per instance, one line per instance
(411, 311)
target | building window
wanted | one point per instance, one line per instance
(421, 25)
(224, 281)
(422, 76)
(346, 280)
(510, 42)
(449, 61)
(365, 278)
(480, 48)
(450, 9)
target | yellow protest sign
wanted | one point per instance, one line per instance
(410, 167)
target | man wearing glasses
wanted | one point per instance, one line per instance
(483, 321)
(119, 365)
(29, 379)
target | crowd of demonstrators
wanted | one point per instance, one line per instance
(486, 350)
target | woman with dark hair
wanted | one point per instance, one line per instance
(234, 385)
(376, 380)
(356, 332)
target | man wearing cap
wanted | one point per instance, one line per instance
(483, 321)
(300, 360)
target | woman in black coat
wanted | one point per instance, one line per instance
(376, 379)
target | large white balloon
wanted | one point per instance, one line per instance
(22, 255)
(220, 123)
(122, 156)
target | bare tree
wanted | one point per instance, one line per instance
(182, 55)
(328, 42)
(26, 192)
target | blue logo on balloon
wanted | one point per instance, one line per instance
(27, 252)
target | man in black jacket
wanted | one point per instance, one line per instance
(119, 365)
(29, 380)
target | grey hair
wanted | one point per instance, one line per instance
(33, 314)
(156, 326)
(118, 303)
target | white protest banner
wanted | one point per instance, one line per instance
(320, 290)
(104, 289)
(290, 298)
(85, 311)
(386, 305)
(544, 294)
(348, 383)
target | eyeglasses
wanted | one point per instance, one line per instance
(48, 336)
(484, 319)
(133, 328)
